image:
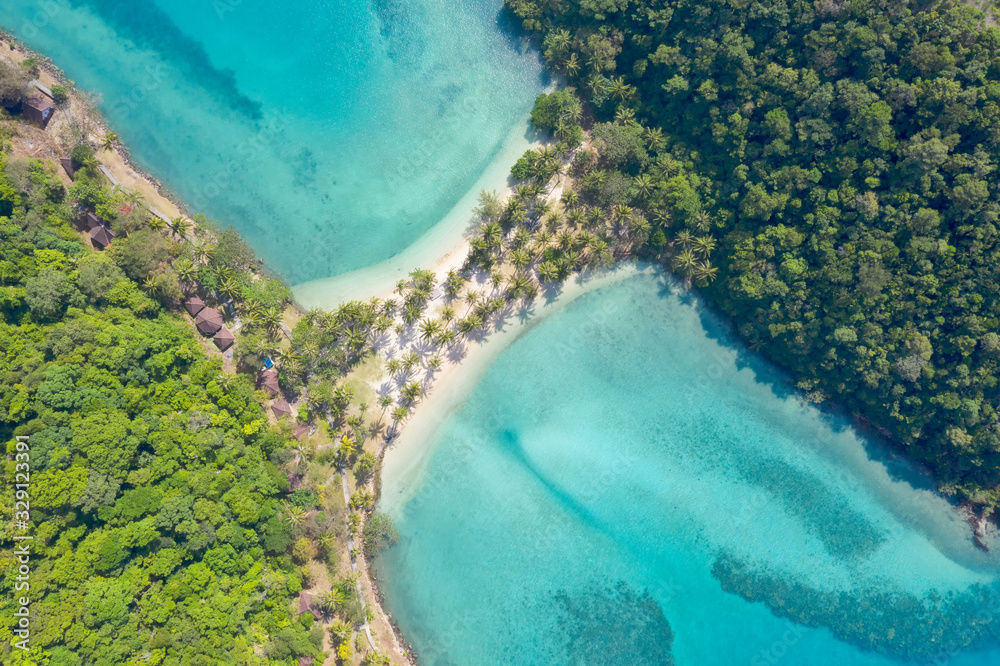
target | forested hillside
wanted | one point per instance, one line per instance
(154, 495)
(828, 172)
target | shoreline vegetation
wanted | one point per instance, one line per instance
(708, 198)
(151, 265)
(832, 161)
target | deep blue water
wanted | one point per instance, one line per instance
(624, 476)
(331, 133)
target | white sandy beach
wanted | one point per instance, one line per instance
(408, 454)
(443, 245)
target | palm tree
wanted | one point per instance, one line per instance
(469, 324)
(570, 199)
(623, 212)
(229, 288)
(295, 514)
(205, 252)
(411, 391)
(410, 360)
(704, 245)
(654, 138)
(340, 633)
(446, 337)
(150, 285)
(643, 184)
(327, 541)
(565, 240)
(399, 414)
(561, 39)
(156, 223)
(492, 233)
(625, 116)
(705, 272)
(108, 140)
(288, 357)
(686, 261)
(520, 257)
(548, 270)
(620, 89)
(334, 600)
(640, 228)
(430, 329)
(684, 238)
(179, 226)
(131, 197)
(392, 366)
(186, 270)
(572, 65)
(348, 446)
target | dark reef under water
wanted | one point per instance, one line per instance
(897, 623)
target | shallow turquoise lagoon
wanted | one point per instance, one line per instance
(626, 486)
(331, 133)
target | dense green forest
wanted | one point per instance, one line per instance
(157, 498)
(827, 172)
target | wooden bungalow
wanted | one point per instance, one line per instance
(281, 409)
(93, 221)
(224, 339)
(306, 605)
(208, 321)
(38, 108)
(194, 305)
(268, 381)
(101, 237)
(301, 432)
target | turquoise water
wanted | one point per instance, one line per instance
(331, 133)
(624, 478)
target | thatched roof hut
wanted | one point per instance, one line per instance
(194, 305)
(224, 339)
(281, 409)
(301, 432)
(101, 237)
(208, 321)
(268, 381)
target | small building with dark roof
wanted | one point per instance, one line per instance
(38, 109)
(301, 432)
(93, 221)
(194, 305)
(268, 381)
(208, 321)
(281, 409)
(101, 237)
(223, 339)
(67, 165)
(306, 605)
